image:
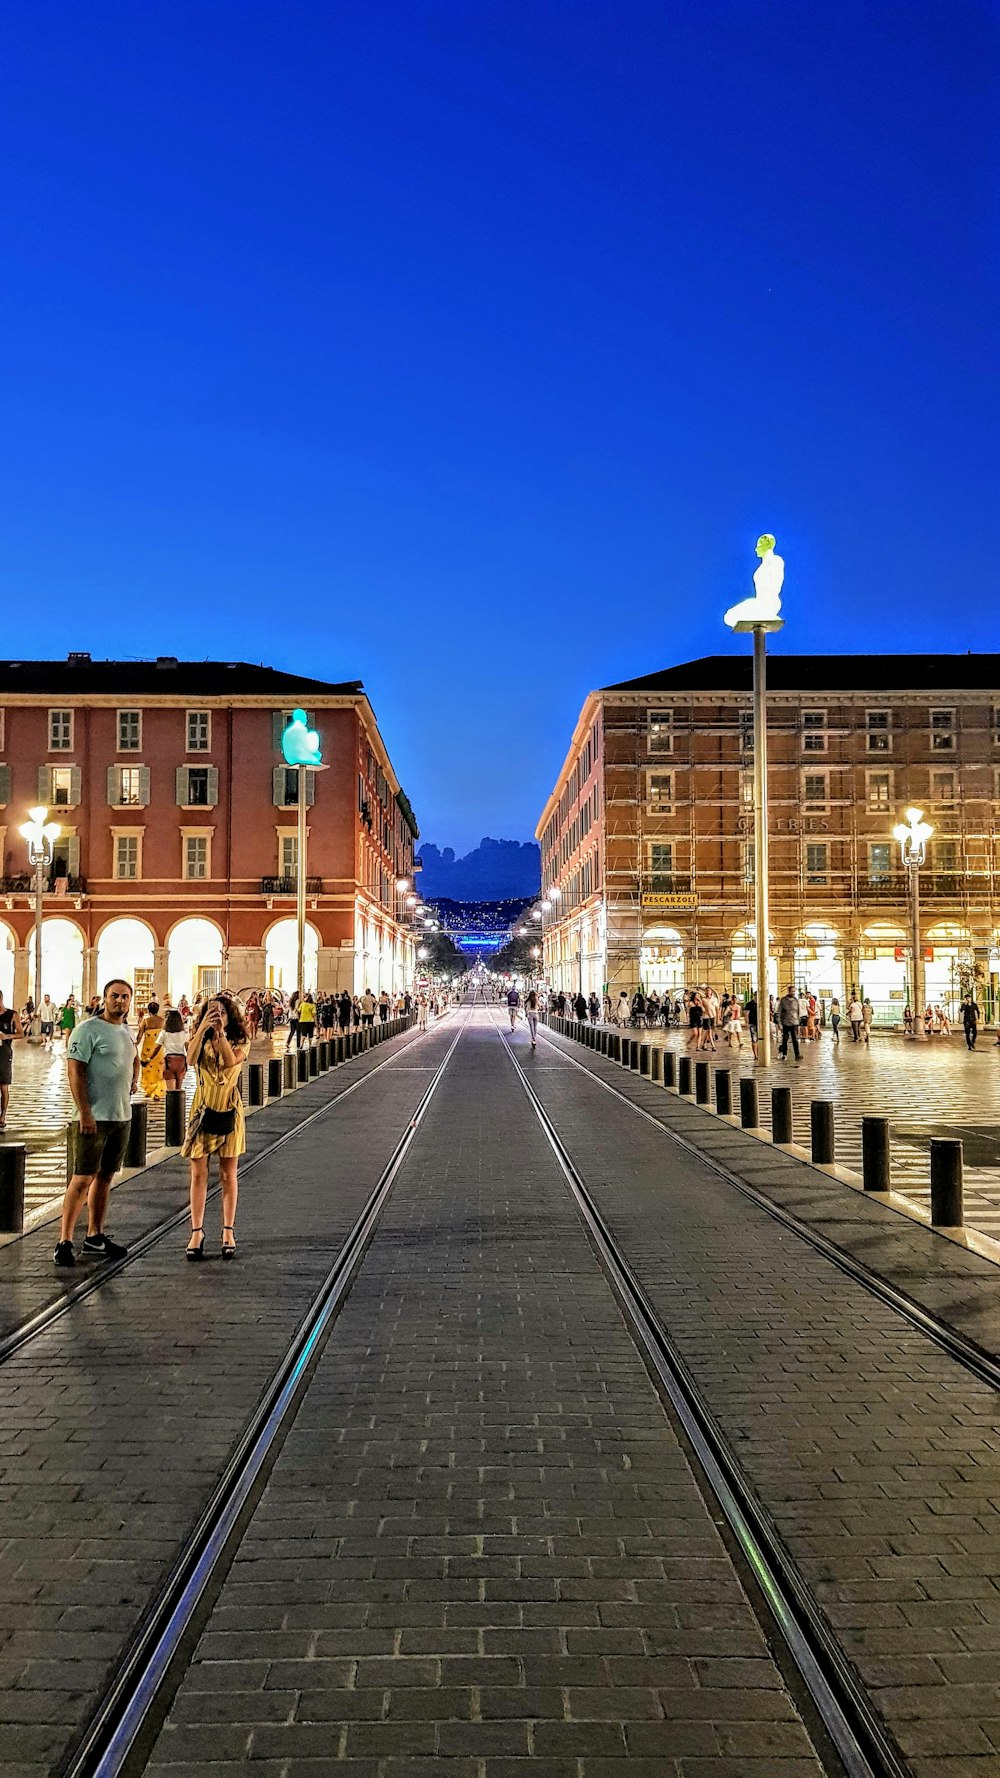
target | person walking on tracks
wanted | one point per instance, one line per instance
(103, 1074)
(970, 1022)
(531, 1014)
(789, 1013)
(218, 1050)
(513, 1002)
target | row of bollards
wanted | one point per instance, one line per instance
(280, 1074)
(691, 1077)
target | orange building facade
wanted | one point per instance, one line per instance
(176, 860)
(647, 838)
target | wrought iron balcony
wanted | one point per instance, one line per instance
(53, 885)
(289, 886)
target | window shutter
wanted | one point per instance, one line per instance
(277, 729)
(278, 787)
(73, 857)
(44, 786)
(112, 786)
(310, 789)
(75, 787)
(144, 786)
(213, 786)
(4, 786)
(181, 785)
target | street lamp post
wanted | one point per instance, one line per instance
(759, 616)
(913, 835)
(41, 836)
(300, 747)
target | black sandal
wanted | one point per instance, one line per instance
(230, 1251)
(199, 1251)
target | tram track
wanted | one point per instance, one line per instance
(117, 1737)
(104, 1272)
(848, 1717)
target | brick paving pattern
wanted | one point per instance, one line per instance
(877, 1456)
(482, 1545)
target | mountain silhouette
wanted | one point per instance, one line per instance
(495, 871)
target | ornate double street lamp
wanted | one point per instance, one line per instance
(757, 616)
(913, 835)
(300, 748)
(41, 835)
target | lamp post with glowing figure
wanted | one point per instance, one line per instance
(300, 748)
(913, 835)
(759, 616)
(41, 836)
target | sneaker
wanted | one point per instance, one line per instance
(104, 1245)
(64, 1255)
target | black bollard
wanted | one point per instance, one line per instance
(323, 1051)
(821, 1130)
(947, 1209)
(656, 1065)
(643, 1049)
(875, 1154)
(301, 1065)
(625, 1051)
(604, 1042)
(135, 1153)
(702, 1084)
(288, 1065)
(313, 1061)
(749, 1111)
(12, 1187)
(174, 1119)
(274, 1077)
(723, 1092)
(684, 1075)
(669, 1068)
(255, 1084)
(781, 1114)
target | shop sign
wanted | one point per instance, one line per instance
(928, 953)
(900, 953)
(670, 901)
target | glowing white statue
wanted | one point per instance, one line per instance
(765, 606)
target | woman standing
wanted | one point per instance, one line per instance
(293, 1020)
(151, 1052)
(67, 1018)
(218, 1049)
(174, 1049)
(531, 1014)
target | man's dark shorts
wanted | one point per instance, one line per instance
(6, 1064)
(103, 1152)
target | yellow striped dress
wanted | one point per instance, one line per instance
(216, 1091)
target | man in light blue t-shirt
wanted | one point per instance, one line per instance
(103, 1074)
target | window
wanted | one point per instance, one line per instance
(817, 853)
(749, 864)
(877, 731)
(660, 731)
(660, 789)
(61, 787)
(878, 790)
(126, 857)
(199, 731)
(129, 731)
(814, 731)
(60, 731)
(196, 857)
(129, 787)
(746, 791)
(994, 725)
(661, 864)
(879, 861)
(746, 731)
(945, 856)
(815, 790)
(288, 855)
(285, 790)
(942, 731)
(197, 787)
(943, 789)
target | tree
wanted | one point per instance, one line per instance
(443, 956)
(516, 958)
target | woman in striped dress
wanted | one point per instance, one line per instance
(218, 1049)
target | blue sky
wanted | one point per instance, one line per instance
(467, 347)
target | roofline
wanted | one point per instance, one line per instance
(593, 701)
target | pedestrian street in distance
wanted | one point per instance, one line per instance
(925, 1088)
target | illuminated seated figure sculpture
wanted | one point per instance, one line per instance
(765, 606)
(300, 743)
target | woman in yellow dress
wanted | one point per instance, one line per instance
(152, 1079)
(218, 1048)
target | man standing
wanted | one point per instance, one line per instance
(103, 1074)
(368, 1007)
(788, 1018)
(10, 1033)
(970, 1021)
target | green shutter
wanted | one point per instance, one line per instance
(311, 788)
(213, 786)
(112, 786)
(181, 786)
(75, 787)
(73, 857)
(144, 786)
(44, 786)
(4, 786)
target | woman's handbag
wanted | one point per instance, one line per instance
(218, 1123)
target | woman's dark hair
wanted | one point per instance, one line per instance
(153, 1007)
(173, 1021)
(236, 1025)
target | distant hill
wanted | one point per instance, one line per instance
(497, 870)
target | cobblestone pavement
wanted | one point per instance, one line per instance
(877, 1456)
(937, 1088)
(116, 1421)
(482, 1545)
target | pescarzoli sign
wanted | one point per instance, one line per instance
(670, 901)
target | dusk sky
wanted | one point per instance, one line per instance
(466, 348)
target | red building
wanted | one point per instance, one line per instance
(177, 856)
